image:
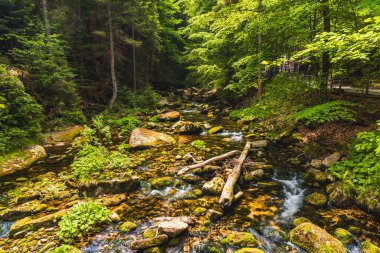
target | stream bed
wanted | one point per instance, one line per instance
(266, 211)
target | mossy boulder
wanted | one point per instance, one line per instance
(161, 182)
(300, 220)
(29, 157)
(249, 250)
(150, 233)
(169, 116)
(187, 127)
(254, 176)
(214, 187)
(29, 224)
(368, 247)
(144, 138)
(368, 202)
(314, 239)
(215, 130)
(241, 239)
(113, 186)
(316, 199)
(65, 135)
(341, 195)
(316, 176)
(200, 211)
(23, 210)
(127, 226)
(344, 236)
(64, 249)
(149, 242)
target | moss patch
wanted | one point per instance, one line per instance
(239, 239)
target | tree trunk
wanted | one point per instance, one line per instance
(227, 196)
(46, 18)
(259, 45)
(112, 57)
(325, 57)
(134, 58)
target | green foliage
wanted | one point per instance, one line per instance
(327, 112)
(363, 164)
(81, 220)
(125, 124)
(199, 144)
(283, 95)
(50, 78)
(20, 115)
(144, 99)
(92, 161)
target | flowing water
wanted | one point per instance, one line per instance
(266, 211)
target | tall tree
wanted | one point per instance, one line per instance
(112, 55)
(46, 18)
(259, 45)
(325, 57)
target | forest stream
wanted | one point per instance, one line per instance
(266, 211)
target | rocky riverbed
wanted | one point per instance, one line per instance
(283, 208)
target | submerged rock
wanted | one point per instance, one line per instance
(144, 138)
(95, 188)
(316, 199)
(29, 224)
(187, 127)
(30, 156)
(314, 239)
(340, 195)
(214, 187)
(240, 239)
(344, 236)
(169, 116)
(368, 247)
(216, 130)
(149, 242)
(172, 228)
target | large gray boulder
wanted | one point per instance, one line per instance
(144, 138)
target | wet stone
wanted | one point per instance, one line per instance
(172, 228)
(148, 243)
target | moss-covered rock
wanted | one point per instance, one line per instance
(65, 135)
(127, 226)
(316, 199)
(368, 247)
(214, 187)
(161, 182)
(154, 250)
(215, 130)
(341, 195)
(300, 220)
(149, 243)
(63, 249)
(113, 200)
(241, 239)
(150, 233)
(314, 239)
(249, 250)
(23, 210)
(200, 211)
(213, 215)
(187, 127)
(344, 236)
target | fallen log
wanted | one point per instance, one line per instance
(202, 164)
(227, 196)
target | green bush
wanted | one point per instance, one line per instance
(125, 124)
(363, 164)
(327, 112)
(199, 144)
(20, 115)
(92, 161)
(144, 99)
(81, 220)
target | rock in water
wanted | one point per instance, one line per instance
(187, 127)
(144, 138)
(148, 243)
(314, 239)
(214, 187)
(241, 239)
(169, 116)
(173, 228)
(344, 236)
(215, 130)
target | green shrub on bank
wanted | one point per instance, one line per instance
(362, 166)
(81, 220)
(199, 144)
(20, 115)
(327, 112)
(92, 161)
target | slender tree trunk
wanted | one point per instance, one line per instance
(325, 57)
(134, 58)
(112, 57)
(259, 45)
(46, 18)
